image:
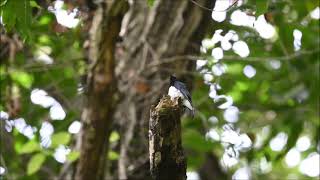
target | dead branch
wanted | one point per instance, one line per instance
(167, 160)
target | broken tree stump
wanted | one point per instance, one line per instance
(167, 160)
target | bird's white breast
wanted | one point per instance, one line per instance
(174, 92)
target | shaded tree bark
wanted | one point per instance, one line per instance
(150, 35)
(101, 95)
(167, 160)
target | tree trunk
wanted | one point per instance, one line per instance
(167, 160)
(101, 96)
(150, 37)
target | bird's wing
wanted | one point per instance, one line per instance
(183, 88)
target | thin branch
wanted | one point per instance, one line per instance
(231, 58)
(122, 162)
(212, 10)
(41, 65)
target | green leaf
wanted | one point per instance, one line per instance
(61, 138)
(113, 155)
(7, 11)
(45, 19)
(114, 136)
(22, 78)
(34, 4)
(194, 140)
(150, 2)
(235, 69)
(17, 14)
(29, 147)
(44, 39)
(261, 7)
(35, 163)
(73, 155)
(24, 18)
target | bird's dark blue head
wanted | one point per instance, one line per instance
(172, 80)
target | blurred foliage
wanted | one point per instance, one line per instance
(17, 15)
(282, 100)
(35, 163)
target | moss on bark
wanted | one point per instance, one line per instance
(167, 160)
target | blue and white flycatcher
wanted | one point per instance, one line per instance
(179, 89)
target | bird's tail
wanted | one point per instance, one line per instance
(192, 112)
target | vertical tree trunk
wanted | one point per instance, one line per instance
(101, 96)
(150, 35)
(167, 160)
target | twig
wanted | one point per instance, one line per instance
(212, 10)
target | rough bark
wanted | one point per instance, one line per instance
(150, 35)
(101, 95)
(167, 160)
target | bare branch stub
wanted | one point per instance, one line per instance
(167, 159)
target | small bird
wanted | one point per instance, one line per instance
(179, 89)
